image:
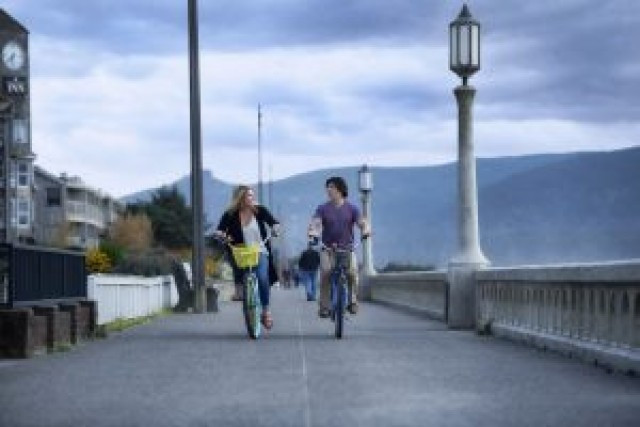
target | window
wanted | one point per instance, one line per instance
(20, 131)
(12, 209)
(53, 196)
(23, 175)
(24, 212)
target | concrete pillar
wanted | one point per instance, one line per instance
(469, 257)
(367, 245)
(367, 252)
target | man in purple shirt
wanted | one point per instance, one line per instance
(336, 220)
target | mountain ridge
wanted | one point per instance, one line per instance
(542, 208)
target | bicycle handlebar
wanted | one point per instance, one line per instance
(336, 248)
(227, 240)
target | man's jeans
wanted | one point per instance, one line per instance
(327, 259)
(310, 279)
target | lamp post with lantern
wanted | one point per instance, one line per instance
(464, 60)
(365, 184)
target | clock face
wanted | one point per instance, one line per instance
(13, 56)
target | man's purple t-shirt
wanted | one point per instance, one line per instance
(337, 223)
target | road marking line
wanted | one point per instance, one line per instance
(307, 403)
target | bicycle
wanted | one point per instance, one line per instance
(340, 291)
(246, 258)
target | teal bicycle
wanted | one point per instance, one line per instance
(246, 258)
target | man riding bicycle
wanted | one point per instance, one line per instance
(336, 219)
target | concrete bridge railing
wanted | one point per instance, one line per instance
(422, 292)
(589, 311)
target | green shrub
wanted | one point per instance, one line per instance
(114, 251)
(153, 263)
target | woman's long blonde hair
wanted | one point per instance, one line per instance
(239, 192)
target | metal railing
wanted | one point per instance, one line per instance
(31, 274)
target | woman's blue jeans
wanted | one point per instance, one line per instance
(262, 271)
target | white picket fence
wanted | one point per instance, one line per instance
(120, 296)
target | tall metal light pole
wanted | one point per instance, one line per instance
(196, 162)
(260, 189)
(464, 38)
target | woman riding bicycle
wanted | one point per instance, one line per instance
(245, 222)
(336, 218)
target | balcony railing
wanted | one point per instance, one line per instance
(84, 212)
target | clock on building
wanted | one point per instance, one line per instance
(13, 56)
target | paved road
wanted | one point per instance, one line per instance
(391, 369)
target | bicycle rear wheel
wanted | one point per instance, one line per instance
(251, 306)
(341, 290)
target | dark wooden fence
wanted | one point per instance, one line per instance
(31, 274)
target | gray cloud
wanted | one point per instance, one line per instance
(568, 60)
(576, 46)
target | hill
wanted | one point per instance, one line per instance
(532, 209)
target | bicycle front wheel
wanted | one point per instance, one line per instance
(251, 306)
(341, 290)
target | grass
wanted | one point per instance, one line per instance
(121, 324)
(58, 347)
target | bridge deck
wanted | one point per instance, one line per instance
(391, 369)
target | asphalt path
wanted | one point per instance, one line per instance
(390, 369)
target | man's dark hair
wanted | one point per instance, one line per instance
(339, 183)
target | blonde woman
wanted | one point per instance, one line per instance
(246, 222)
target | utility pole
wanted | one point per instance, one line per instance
(197, 260)
(260, 189)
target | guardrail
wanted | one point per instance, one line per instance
(120, 296)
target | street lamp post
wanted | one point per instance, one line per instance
(366, 185)
(464, 39)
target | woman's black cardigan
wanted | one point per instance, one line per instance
(230, 224)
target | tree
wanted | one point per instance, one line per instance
(171, 218)
(132, 232)
(172, 225)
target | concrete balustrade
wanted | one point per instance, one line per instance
(120, 296)
(422, 292)
(589, 311)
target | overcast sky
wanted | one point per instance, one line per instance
(342, 82)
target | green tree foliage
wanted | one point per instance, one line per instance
(115, 252)
(171, 218)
